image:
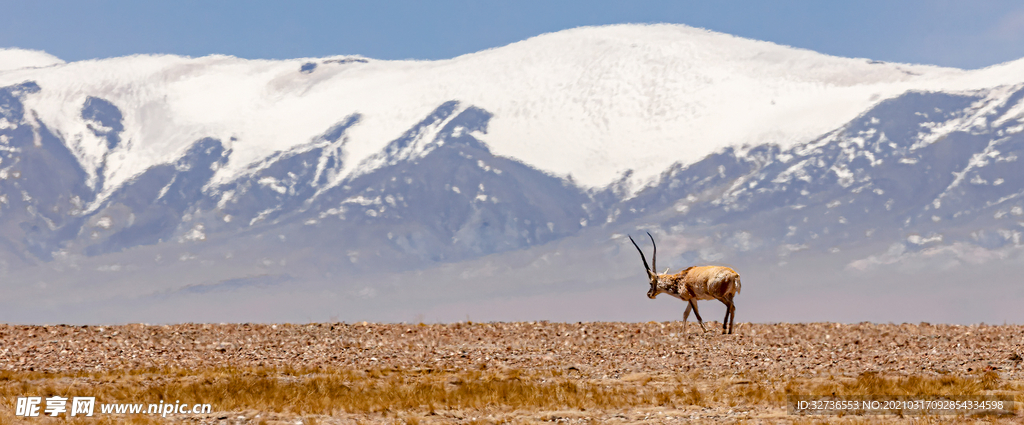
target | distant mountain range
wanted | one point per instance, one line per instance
(131, 185)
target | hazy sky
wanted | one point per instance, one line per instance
(950, 33)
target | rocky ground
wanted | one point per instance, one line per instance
(612, 353)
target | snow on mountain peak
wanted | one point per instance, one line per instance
(591, 102)
(22, 58)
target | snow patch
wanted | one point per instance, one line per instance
(362, 200)
(104, 222)
(273, 184)
(196, 234)
(918, 240)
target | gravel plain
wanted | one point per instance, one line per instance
(607, 352)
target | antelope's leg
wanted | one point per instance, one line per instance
(725, 321)
(732, 320)
(686, 316)
(697, 313)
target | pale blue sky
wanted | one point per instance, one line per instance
(950, 33)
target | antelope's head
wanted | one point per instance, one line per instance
(652, 272)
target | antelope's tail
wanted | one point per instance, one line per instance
(738, 286)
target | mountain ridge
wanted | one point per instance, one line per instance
(669, 88)
(441, 212)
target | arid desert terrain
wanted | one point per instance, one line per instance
(524, 372)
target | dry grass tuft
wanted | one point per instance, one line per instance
(872, 383)
(328, 392)
(415, 396)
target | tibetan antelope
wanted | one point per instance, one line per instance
(692, 284)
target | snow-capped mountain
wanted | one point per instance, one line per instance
(923, 170)
(578, 102)
(218, 173)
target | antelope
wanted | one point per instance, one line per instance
(694, 283)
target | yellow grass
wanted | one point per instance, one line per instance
(415, 396)
(876, 384)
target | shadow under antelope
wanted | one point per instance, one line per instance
(694, 283)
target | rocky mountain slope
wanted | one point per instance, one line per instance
(162, 176)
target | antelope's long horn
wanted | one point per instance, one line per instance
(654, 256)
(644, 259)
